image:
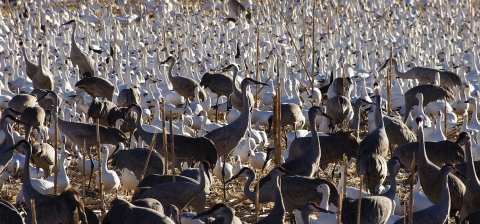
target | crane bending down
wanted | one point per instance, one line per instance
(80, 58)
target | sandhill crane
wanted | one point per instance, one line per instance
(355, 124)
(334, 145)
(178, 193)
(21, 101)
(308, 163)
(186, 148)
(337, 86)
(33, 117)
(393, 168)
(277, 214)
(227, 138)
(374, 209)
(430, 93)
(9, 214)
(374, 168)
(218, 83)
(425, 75)
(183, 85)
(121, 211)
(437, 213)
(128, 96)
(43, 156)
(198, 202)
(398, 132)
(149, 203)
(85, 63)
(30, 67)
(80, 132)
(471, 200)
(43, 79)
(437, 152)
(135, 159)
(297, 190)
(6, 152)
(227, 213)
(291, 114)
(339, 108)
(431, 174)
(97, 87)
(237, 95)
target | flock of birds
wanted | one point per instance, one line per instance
(326, 62)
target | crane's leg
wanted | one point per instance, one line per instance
(223, 180)
(333, 170)
(216, 111)
(91, 166)
(292, 218)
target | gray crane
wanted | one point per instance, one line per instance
(297, 190)
(374, 169)
(43, 156)
(226, 213)
(277, 214)
(437, 152)
(6, 152)
(59, 209)
(135, 159)
(218, 83)
(183, 85)
(339, 108)
(44, 103)
(462, 167)
(97, 87)
(291, 114)
(333, 147)
(80, 132)
(127, 97)
(149, 203)
(186, 148)
(357, 105)
(430, 93)
(21, 101)
(430, 175)
(308, 163)
(178, 193)
(471, 200)
(425, 75)
(324, 88)
(9, 214)
(43, 79)
(376, 141)
(32, 117)
(121, 211)
(101, 109)
(310, 207)
(236, 97)
(338, 86)
(227, 138)
(30, 67)
(80, 58)
(235, 9)
(374, 209)
(437, 213)
(198, 202)
(397, 132)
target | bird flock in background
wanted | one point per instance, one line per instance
(383, 85)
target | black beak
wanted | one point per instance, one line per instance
(261, 83)
(231, 179)
(461, 174)
(69, 22)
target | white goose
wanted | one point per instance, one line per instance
(110, 178)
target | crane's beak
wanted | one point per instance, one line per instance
(233, 178)
(325, 211)
(325, 115)
(69, 22)
(208, 212)
(461, 174)
(261, 83)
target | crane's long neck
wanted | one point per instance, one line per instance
(422, 154)
(202, 186)
(235, 88)
(246, 189)
(246, 103)
(7, 128)
(471, 173)
(378, 111)
(474, 112)
(27, 186)
(278, 210)
(306, 215)
(228, 216)
(170, 69)
(393, 184)
(356, 117)
(397, 72)
(315, 141)
(444, 202)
